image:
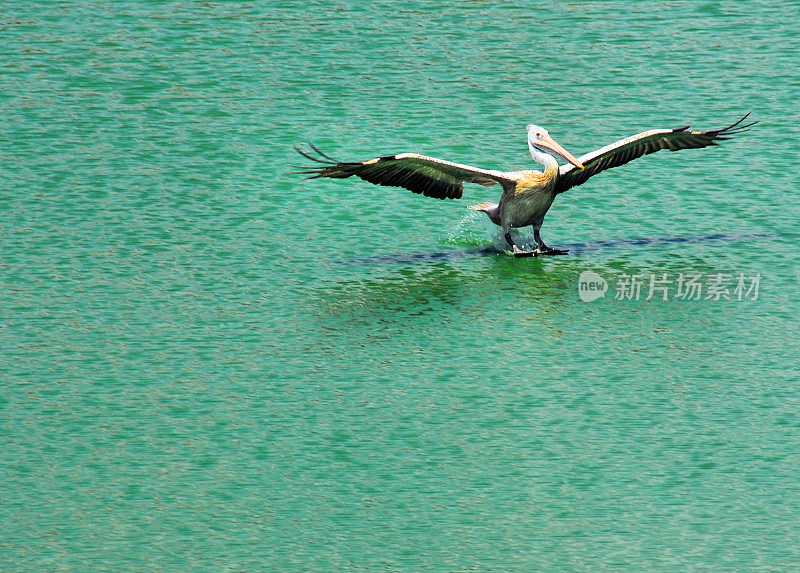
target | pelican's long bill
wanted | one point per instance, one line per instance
(549, 143)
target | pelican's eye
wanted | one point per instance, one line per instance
(538, 134)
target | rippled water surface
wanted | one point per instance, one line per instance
(210, 363)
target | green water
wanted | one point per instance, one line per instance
(209, 363)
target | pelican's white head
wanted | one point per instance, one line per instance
(540, 142)
(536, 132)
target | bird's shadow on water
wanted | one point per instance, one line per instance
(434, 283)
(575, 249)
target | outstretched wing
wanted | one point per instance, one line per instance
(625, 150)
(427, 175)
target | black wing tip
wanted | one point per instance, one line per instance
(310, 173)
(317, 156)
(737, 127)
(733, 129)
(329, 167)
(320, 156)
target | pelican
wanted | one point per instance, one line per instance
(527, 195)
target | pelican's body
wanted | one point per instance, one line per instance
(527, 195)
(530, 199)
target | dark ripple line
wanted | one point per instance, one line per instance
(575, 248)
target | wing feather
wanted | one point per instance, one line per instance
(625, 150)
(426, 175)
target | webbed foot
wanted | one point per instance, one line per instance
(551, 251)
(520, 253)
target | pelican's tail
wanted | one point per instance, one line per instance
(492, 210)
(484, 207)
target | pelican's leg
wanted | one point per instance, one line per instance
(515, 249)
(544, 249)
